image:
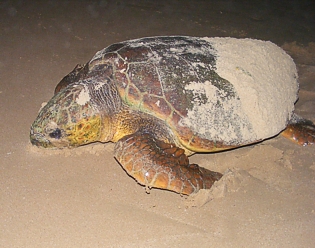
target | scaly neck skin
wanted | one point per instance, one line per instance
(109, 128)
(129, 121)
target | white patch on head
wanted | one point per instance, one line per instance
(83, 96)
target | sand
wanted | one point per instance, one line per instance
(263, 82)
(83, 198)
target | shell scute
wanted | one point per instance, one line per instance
(197, 87)
(120, 65)
(158, 105)
(145, 78)
(135, 54)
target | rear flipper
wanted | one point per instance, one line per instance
(300, 131)
(157, 164)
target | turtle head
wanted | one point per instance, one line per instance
(75, 116)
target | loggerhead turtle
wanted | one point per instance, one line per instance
(162, 99)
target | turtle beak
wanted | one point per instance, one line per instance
(39, 139)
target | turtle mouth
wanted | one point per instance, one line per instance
(39, 140)
(54, 139)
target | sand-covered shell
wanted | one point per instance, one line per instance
(224, 90)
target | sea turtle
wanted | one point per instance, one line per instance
(162, 99)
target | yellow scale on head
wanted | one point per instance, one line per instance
(85, 131)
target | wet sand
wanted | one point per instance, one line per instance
(83, 198)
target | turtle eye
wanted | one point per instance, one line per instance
(56, 134)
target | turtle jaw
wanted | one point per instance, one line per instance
(49, 138)
(39, 140)
(48, 134)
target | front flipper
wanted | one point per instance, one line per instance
(300, 131)
(157, 164)
(74, 76)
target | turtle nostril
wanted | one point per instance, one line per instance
(56, 134)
